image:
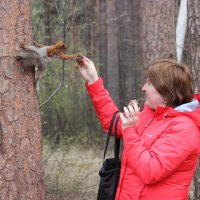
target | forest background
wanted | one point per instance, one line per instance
(122, 38)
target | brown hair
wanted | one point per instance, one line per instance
(172, 80)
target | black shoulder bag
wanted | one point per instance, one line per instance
(110, 171)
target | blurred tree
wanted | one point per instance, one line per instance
(72, 32)
(129, 46)
(157, 30)
(88, 27)
(102, 40)
(21, 168)
(96, 27)
(112, 51)
(48, 12)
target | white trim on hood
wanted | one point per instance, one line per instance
(188, 107)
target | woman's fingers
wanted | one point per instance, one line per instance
(126, 112)
(122, 116)
(135, 106)
(131, 115)
(86, 59)
(131, 111)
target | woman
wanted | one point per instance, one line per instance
(162, 142)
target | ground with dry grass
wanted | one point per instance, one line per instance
(71, 173)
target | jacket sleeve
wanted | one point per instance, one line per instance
(169, 151)
(103, 104)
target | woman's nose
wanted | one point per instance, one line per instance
(144, 87)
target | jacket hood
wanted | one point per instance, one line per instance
(188, 107)
(191, 110)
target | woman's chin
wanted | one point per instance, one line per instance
(150, 105)
(147, 103)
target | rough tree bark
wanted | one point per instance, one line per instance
(21, 169)
(158, 29)
(194, 39)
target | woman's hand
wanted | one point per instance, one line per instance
(87, 69)
(131, 115)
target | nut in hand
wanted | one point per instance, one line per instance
(79, 59)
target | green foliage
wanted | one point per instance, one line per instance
(69, 115)
(36, 14)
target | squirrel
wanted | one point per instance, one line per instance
(39, 56)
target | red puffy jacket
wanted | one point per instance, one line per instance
(160, 154)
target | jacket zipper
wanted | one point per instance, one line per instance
(149, 122)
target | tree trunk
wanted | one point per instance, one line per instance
(194, 37)
(49, 12)
(21, 168)
(79, 38)
(96, 28)
(112, 51)
(103, 41)
(130, 61)
(158, 30)
(72, 34)
(87, 31)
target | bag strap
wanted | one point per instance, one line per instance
(110, 133)
(117, 140)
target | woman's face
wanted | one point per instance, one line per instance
(153, 97)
